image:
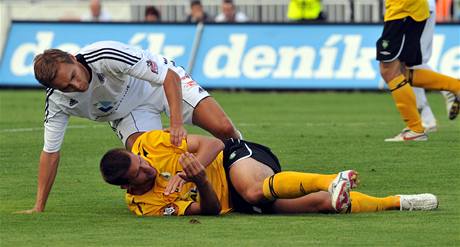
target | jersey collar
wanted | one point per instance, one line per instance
(82, 60)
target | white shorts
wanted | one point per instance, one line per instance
(147, 116)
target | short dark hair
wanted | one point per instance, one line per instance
(46, 65)
(228, 1)
(195, 2)
(114, 166)
(152, 10)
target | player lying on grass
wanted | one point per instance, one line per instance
(207, 176)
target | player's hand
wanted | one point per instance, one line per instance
(177, 133)
(193, 169)
(175, 184)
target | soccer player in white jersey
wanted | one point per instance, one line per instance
(428, 119)
(125, 86)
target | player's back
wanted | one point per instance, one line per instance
(398, 9)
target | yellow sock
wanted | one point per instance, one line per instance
(432, 80)
(363, 203)
(404, 97)
(295, 184)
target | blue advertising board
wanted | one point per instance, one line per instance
(251, 56)
(26, 39)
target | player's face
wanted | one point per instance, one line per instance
(140, 172)
(71, 77)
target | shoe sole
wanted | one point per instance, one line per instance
(344, 191)
(353, 178)
(454, 109)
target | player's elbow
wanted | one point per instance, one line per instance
(214, 210)
(219, 144)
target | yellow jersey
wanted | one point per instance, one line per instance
(399, 9)
(156, 148)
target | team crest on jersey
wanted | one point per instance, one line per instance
(72, 102)
(170, 209)
(104, 106)
(165, 175)
(101, 77)
(153, 66)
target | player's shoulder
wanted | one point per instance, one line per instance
(109, 46)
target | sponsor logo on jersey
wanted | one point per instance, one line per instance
(153, 66)
(190, 84)
(200, 90)
(104, 106)
(101, 77)
(73, 102)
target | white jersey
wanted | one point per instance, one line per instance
(121, 78)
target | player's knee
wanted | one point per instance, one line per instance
(253, 195)
(226, 129)
(389, 71)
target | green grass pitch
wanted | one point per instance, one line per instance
(320, 132)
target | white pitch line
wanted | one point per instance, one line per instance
(41, 128)
(307, 124)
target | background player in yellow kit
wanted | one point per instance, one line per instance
(399, 48)
(207, 176)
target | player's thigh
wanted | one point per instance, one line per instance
(141, 119)
(247, 177)
(210, 116)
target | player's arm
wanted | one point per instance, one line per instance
(46, 174)
(55, 125)
(205, 148)
(195, 172)
(173, 92)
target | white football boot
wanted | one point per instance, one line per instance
(340, 188)
(408, 135)
(418, 202)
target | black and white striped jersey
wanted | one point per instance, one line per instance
(122, 78)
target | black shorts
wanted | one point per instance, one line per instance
(236, 150)
(401, 40)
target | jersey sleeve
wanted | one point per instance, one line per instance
(121, 59)
(54, 127)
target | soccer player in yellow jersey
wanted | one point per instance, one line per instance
(207, 176)
(399, 48)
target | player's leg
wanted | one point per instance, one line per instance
(209, 115)
(141, 119)
(423, 76)
(394, 48)
(200, 109)
(452, 104)
(318, 202)
(428, 119)
(364, 203)
(247, 177)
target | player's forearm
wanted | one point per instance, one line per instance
(173, 91)
(46, 174)
(209, 203)
(208, 149)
